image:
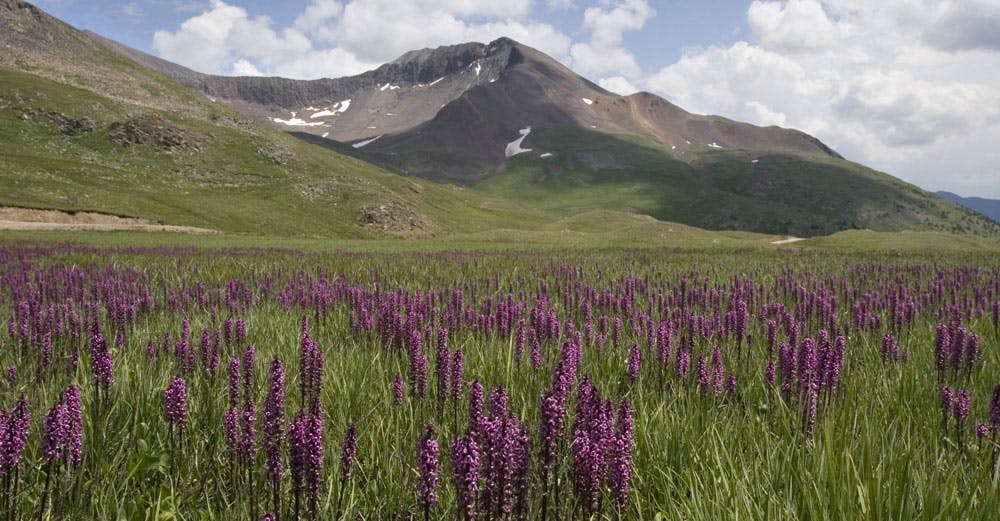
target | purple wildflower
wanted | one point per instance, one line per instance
(248, 374)
(682, 364)
(55, 428)
(427, 466)
(457, 375)
(71, 397)
(100, 361)
(442, 366)
(475, 405)
(465, 473)
(620, 464)
(634, 361)
(553, 415)
(232, 430)
(15, 435)
(704, 380)
(348, 452)
(175, 402)
(961, 404)
(234, 381)
(274, 422)
(397, 390)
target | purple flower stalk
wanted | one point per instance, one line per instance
(419, 371)
(397, 390)
(234, 381)
(961, 404)
(248, 431)
(553, 415)
(475, 405)
(620, 464)
(71, 397)
(704, 380)
(465, 473)
(55, 429)
(100, 361)
(274, 423)
(14, 435)
(457, 375)
(348, 452)
(634, 362)
(232, 429)
(248, 374)
(682, 364)
(175, 402)
(442, 366)
(427, 466)
(305, 455)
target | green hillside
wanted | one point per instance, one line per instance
(723, 189)
(67, 148)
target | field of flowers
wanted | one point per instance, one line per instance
(187, 383)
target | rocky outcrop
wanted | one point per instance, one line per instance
(157, 132)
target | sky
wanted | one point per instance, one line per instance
(909, 87)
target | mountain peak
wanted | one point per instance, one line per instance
(13, 5)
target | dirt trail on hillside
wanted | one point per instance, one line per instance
(37, 220)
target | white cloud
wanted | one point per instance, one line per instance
(245, 68)
(337, 38)
(604, 53)
(592, 60)
(200, 43)
(618, 85)
(883, 83)
(795, 25)
(318, 14)
(607, 24)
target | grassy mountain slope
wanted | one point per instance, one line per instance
(721, 189)
(58, 150)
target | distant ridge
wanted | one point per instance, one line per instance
(988, 207)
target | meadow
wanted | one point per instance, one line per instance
(218, 382)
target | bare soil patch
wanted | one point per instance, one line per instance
(32, 219)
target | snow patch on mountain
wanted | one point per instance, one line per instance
(360, 144)
(588, 101)
(296, 122)
(514, 147)
(339, 107)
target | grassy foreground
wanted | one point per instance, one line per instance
(711, 439)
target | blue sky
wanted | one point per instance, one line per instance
(911, 87)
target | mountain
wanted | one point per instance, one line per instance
(463, 139)
(507, 120)
(84, 129)
(988, 207)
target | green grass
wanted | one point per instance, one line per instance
(878, 453)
